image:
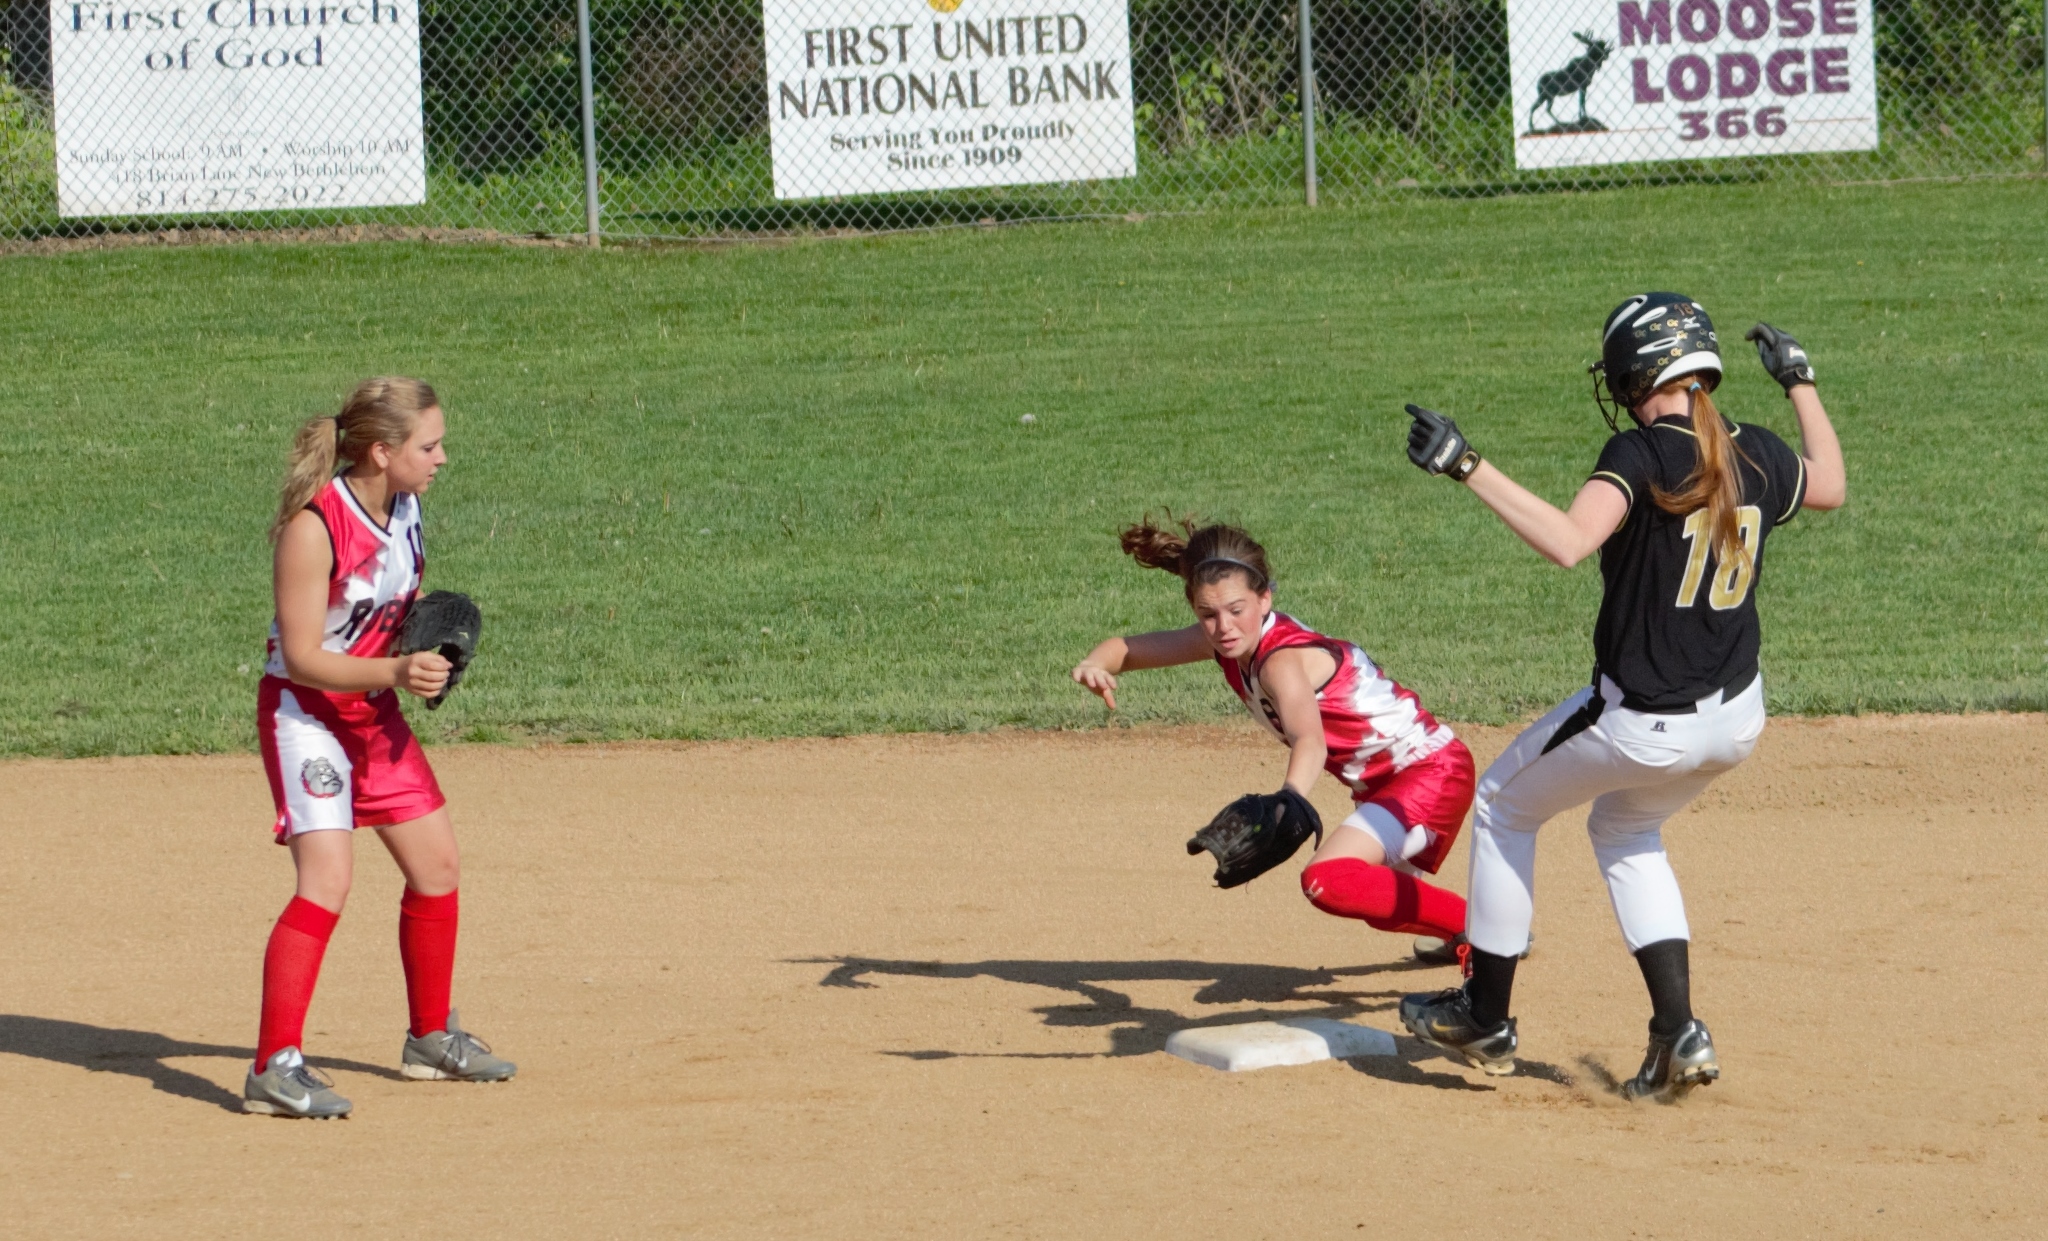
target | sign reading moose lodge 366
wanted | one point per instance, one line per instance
(874, 96)
(1622, 81)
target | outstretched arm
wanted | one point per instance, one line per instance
(1161, 649)
(1565, 538)
(1288, 681)
(1561, 536)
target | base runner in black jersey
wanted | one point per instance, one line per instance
(1679, 506)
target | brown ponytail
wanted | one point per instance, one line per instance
(379, 411)
(1715, 482)
(1198, 555)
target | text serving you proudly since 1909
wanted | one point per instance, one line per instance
(875, 96)
(210, 106)
(1625, 81)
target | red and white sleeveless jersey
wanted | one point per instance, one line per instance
(1372, 726)
(376, 574)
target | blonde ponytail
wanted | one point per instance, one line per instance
(379, 411)
(306, 471)
(1715, 482)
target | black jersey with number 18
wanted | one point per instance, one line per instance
(1676, 623)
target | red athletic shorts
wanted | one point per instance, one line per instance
(339, 761)
(1435, 793)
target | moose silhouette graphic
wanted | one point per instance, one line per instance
(1574, 78)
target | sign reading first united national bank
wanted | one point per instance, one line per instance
(875, 96)
(205, 106)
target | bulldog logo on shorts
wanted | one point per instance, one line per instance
(320, 778)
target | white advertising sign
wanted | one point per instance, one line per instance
(1607, 82)
(874, 96)
(175, 106)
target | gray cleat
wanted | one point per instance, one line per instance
(452, 1055)
(288, 1086)
(1675, 1065)
(1430, 950)
(1443, 1019)
(1434, 950)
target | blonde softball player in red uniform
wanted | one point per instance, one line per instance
(1335, 709)
(336, 748)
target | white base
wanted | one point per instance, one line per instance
(1269, 1044)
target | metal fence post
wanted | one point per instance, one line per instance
(590, 218)
(1308, 105)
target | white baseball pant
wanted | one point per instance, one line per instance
(1637, 769)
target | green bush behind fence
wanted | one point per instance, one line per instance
(1413, 97)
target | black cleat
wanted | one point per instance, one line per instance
(1443, 1019)
(1675, 1065)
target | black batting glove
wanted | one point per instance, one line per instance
(1436, 445)
(1781, 356)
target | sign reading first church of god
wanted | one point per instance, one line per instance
(168, 107)
(875, 96)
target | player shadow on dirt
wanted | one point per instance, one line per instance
(142, 1053)
(1139, 1031)
(1404, 1068)
(1602, 1077)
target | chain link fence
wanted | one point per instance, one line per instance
(698, 119)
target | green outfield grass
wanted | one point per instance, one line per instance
(789, 489)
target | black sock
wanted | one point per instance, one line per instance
(1668, 975)
(1493, 982)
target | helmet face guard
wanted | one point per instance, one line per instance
(1648, 341)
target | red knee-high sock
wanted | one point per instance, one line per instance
(1383, 898)
(426, 945)
(291, 967)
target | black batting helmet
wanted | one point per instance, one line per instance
(1650, 340)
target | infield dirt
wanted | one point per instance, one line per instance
(917, 986)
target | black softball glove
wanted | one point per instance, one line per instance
(445, 622)
(1781, 356)
(1436, 445)
(1257, 832)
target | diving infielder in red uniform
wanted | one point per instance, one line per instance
(1336, 711)
(336, 747)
